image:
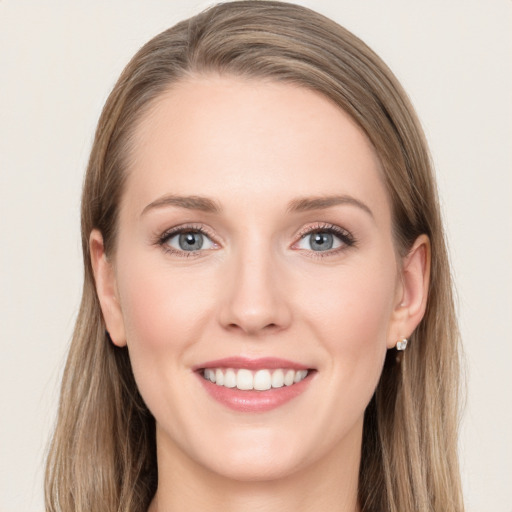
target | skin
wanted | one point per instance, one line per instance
(257, 290)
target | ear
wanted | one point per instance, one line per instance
(412, 291)
(104, 277)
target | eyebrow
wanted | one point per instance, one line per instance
(302, 204)
(323, 202)
(200, 203)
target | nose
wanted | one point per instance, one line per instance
(255, 300)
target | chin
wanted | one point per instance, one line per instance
(263, 468)
(252, 455)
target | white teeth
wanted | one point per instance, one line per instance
(278, 379)
(289, 378)
(244, 380)
(261, 380)
(209, 374)
(230, 378)
(301, 374)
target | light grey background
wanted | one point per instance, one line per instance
(59, 60)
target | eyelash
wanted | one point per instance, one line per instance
(187, 228)
(345, 236)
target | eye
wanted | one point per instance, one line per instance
(319, 241)
(187, 240)
(325, 239)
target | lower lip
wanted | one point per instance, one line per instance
(255, 401)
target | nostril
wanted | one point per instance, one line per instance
(254, 329)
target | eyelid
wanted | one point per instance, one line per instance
(343, 234)
(346, 237)
(322, 226)
(164, 237)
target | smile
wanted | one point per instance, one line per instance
(254, 385)
(261, 380)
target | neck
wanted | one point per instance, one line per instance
(328, 484)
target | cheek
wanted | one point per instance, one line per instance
(163, 312)
(160, 305)
(357, 301)
(352, 317)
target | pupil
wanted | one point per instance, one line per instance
(322, 242)
(191, 241)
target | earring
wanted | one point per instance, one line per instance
(402, 344)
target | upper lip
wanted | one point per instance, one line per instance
(270, 363)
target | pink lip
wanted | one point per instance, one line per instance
(270, 363)
(253, 401)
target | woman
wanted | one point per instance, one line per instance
(267, 319)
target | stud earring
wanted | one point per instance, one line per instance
(402, 344)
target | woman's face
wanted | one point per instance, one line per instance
(255, 242)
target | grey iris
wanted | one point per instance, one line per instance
(321, 241)
(191, 241)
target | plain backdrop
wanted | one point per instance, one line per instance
(58, 62)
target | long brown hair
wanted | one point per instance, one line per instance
(103, 456)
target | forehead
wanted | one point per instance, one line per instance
(249, 140)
